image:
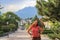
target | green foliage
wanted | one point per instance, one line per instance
(47, 31)
(12, 27)
(1, 32)
(5, 28)
(50, 8)
(8, 22)
(56, 30)
(53, 36)
(10, 16)
(27, 26)
(56, 27)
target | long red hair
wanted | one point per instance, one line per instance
(34, 23)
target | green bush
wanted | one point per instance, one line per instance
(1, 32)
(27, 26)
(47, 32)
(8, 28)
(58, 36)
(12, 27)
(53, 36)
(5, 28)
(8, 22)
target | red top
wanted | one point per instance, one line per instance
(35, 31)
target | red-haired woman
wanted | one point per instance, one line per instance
(35, 30)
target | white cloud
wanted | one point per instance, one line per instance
(15, 7)
(30, 3)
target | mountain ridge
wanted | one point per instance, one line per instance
(27, 12)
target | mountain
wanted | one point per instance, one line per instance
(27, 12)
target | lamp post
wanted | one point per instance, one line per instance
(8, 34)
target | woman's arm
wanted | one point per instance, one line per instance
(29, 29)
(41, 29)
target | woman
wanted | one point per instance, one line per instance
(35, 31)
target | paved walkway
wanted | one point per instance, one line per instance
(21, 35)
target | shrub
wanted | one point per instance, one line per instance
(12, 27)
(47, 32)
(5, 28)
(27, 26)
(53, 36)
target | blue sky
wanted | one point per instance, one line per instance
(16, 5)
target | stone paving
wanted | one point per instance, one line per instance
(21, 35)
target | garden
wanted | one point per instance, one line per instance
(8, 23)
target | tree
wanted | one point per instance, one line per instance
(49, 8)
(0, 14)
(10, 17)
(9, 22)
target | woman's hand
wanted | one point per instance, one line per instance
(41, 30)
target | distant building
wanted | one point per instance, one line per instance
(22, 22)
